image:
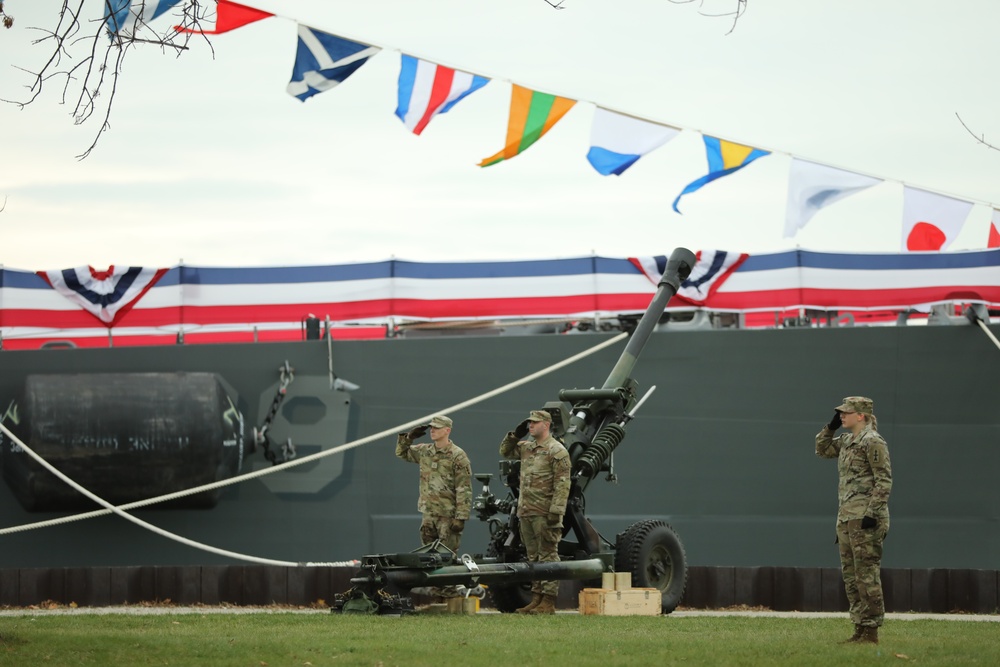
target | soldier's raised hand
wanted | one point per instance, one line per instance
(835, 422)
(521, 429)
(417, 431)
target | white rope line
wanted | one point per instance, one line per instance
(986, 330)
(120, 510)
(143, 524)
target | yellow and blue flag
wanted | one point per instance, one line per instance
(724, 157)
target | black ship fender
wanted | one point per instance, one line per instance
(123, 436)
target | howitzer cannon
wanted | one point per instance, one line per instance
(590, 423)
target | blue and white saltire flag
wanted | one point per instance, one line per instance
(617, 140)
(324, 61)
(122, 16)
(812, 186)
(427, 89)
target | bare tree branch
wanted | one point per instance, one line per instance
(740, 8)
(101, 46)
(981, 138)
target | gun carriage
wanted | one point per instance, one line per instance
(591, 423)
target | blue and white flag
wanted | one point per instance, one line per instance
(323, 61)
(617, 141)
(812, 186)
(122, 16)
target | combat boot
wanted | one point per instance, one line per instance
(869, 635)
(536, 599)
(546, 606)
(858, 631)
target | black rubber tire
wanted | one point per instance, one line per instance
(511, 597)
(653, 553)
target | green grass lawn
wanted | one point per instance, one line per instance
(286, 639)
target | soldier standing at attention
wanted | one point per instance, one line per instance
(445, 482)
(863, 516)
(544, 491)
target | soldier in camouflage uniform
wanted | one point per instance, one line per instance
(544, 490)
(863, 516)
(445, 482)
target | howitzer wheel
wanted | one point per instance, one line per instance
(510, 597)
(653, 553)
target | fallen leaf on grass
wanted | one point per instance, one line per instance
(902, 656)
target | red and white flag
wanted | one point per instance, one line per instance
(931, 221)
(229, 16)
(993, 240)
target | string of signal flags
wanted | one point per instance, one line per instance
(931, 220)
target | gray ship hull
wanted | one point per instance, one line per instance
(723, 450)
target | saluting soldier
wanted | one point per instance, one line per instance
(544, 490)
(445, 481)
(863, 515)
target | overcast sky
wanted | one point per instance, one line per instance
(208, 160)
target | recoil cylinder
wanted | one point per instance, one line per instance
(598, 451)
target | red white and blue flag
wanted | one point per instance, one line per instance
(208, 304)
(710, 271)
(107, 295)
(427, 89)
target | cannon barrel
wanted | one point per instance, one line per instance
(576, 395)
(597, 424)
(406, 578)
(679, 267)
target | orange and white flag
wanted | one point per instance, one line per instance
(931, 221)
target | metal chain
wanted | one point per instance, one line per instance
(260, 435)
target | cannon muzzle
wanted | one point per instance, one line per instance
(679, 267)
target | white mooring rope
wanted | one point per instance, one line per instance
(120, 510)
(986, 330)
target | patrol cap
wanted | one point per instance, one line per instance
(539, 416)
(440, 421)
(856, 404)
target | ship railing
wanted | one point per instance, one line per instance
(311, 327)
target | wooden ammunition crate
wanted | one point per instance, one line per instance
(629, 602)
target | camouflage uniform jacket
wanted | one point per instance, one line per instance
(544, 474)
(445, 477)
(865, 472)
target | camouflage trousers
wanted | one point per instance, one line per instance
(439, 528)
(861, 564)
(542, 542)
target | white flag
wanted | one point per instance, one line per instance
(931, 221)
(812, 186)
